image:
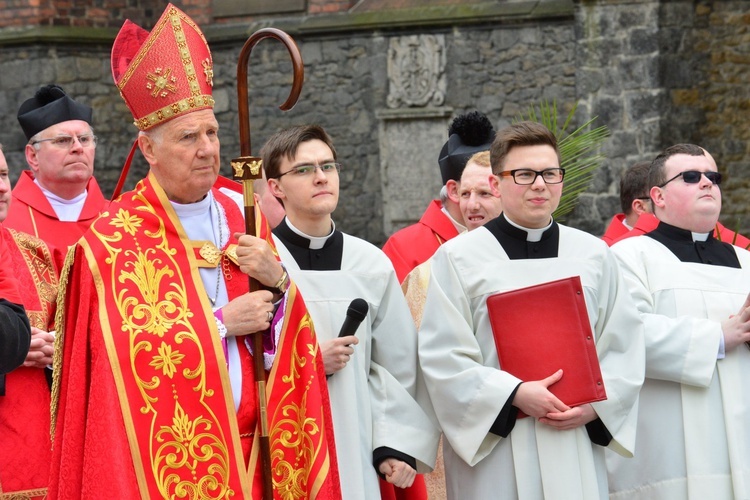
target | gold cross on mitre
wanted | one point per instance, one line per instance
(161, 82)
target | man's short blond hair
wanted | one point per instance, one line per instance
(481, 158)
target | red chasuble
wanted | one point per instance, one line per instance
(31, 212)
(24, 410)
(412, 245)
(145, 407)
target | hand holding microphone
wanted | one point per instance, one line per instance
(354, 315)
(337, 352)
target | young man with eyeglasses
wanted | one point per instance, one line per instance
(559, 451)
(58, 198)
(692, 292)
(159, 396)
(379, 427)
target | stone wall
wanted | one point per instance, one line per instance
(655, 72)
(89, 13)
(618, 81)
(499, 69)
(713, 110)
(665, 72)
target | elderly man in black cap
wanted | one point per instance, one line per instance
(58, 198)
(407, 248)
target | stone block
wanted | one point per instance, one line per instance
(643, 105)
(643, 41)
(410, 176)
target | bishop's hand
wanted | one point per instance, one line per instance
(256, 259)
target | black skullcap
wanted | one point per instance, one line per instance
(468, 134)
(49, 106)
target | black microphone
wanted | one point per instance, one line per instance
(354, 315)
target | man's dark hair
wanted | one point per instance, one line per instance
(284, 144)
(656, 173)
(634, 185)
(519, 134)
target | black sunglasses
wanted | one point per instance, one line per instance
(694, 176)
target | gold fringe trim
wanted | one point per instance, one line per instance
(24, 495)
(57, 357)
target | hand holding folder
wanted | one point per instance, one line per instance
(545, 327)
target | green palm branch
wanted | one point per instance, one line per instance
(579, 152)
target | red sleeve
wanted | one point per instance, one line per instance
(8, 283)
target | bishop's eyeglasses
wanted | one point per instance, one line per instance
(309, 170)
(67, 141)
(526, 176)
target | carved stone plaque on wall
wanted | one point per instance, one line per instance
(413, 128)
(416, 71)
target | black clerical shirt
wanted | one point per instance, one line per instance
(680, 243)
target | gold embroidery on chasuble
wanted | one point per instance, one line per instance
(297, 422)
(38, 260)
(24, 495)
(165, 355)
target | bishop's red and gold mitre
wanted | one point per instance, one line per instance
(165, 73)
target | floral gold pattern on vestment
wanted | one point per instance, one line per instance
(165, 363)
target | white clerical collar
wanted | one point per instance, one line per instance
(316, 242)
(193, 209)
(66, 210)
(700, 236)
(459, 227)
(531, 234)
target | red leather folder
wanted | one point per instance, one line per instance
(545, 327)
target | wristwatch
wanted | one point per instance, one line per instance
(282, 285)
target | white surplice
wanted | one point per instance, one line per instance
(372, 398)
(468, 388)
(694, 418)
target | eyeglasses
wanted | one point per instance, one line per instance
(694, 177)
(526, 176)
(67, 141)
(309, 170)
(644, 198)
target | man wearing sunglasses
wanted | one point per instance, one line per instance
(692, 292)
(378, 425)
(489, 451)
(638, 217)
(58, 198)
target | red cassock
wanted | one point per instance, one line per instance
(24, 410)
(412, 245)
(145, 407)
(615, 230)
(30, 212)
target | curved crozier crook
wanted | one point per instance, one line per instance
(242, 100)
